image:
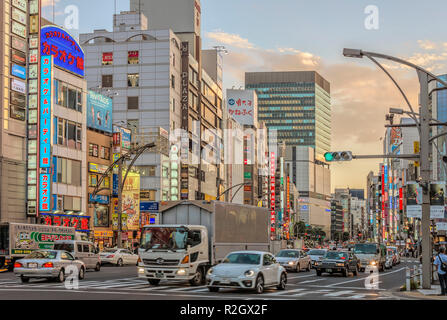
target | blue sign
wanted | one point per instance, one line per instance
(18, 71)
(115, 185)
(125, 134)
(99, 112)
(68, 55)
(45, 111)
(149, 206)
(101, 199)
(231, 102)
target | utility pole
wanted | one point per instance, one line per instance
(425, 117)
(120, 203)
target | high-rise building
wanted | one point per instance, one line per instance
(297, 104)
(336, 220)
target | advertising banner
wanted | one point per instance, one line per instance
(18, 29)
(99, 112)
(131, 200)
(18, 71)
(18, 86)
(437, 204)
(45, 135)
(18, 44)
(64, 48)
(242, 105)
(121, 139)
(414, 200)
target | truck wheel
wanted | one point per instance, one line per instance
(198, 278)
(24, 279)
(319, 273)
(213, 289)
(154, 282)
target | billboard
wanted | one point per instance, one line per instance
(395, 139)
(437, 194)
(414, 200)
(66, 51)
(242, 105)
(45, 111)
(121, 139)
(18, 71)
(131, 200)
(99, 112)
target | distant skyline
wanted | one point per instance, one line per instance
(284, 35)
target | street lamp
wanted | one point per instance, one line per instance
(423, 126)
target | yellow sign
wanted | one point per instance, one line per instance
(131, 200)
(103, 234)
(416, 148)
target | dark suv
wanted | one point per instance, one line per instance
(338, 262)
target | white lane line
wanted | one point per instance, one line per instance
(119, 285)
(88, 292)
(9, 282)
(363, 279)
(189, 289)
(154, 288)
(299, 277)
(355, 288)
(281, 293)
(310, 281)
(362, 296)
(338, 293)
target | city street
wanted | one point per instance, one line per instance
(119, 283)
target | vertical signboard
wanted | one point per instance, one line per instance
(45, 111)
(414, 200)
(437, 207)
(242, 105)
(272, 193)
(184, 145)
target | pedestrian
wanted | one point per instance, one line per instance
(441, 262)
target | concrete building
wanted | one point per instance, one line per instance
(343, 196)
(161, 88)
(336, 220)
(358, 208)
(312, 179)
(297, 104)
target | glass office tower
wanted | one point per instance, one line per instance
(296, 104)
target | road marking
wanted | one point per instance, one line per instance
(355, 288)
(363, 278)
(309, 281)
(298, 277)
(362, 296)
(338, 293)
(189, 289)
(280, 293)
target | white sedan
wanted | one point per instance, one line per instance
(253, 270)
(118, 257)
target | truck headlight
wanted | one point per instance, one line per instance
(373, 263)
(141, 270)
(249, 273)
(340, 264)
(181, 272)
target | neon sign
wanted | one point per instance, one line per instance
(45, 111)
(63, 47)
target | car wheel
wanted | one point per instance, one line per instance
(154, 282)
(282, 282)
(198, 278)
(119, 263)
(98, 267)
(24, 279)
(381, 268)
(319, 273)
(61, 276)
(213, 289)
(259, 287)
(81, 273)
(308, 267)
(298, 268)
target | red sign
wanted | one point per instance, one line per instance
(107, 58)
(77, 222)
(272, 190)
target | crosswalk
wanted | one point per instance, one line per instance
(142, 287)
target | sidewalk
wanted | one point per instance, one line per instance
(422, 294)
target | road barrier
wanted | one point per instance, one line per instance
(415, 276)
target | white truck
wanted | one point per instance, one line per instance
(20, 239)
(195, 235)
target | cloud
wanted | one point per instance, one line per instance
(427, 44)
(234, 40)
(49, 3)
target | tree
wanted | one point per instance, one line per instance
(346, 236)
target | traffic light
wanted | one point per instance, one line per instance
(338, 156)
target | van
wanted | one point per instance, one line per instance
(82, 250)
(371, 255)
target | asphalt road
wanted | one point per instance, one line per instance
(122, 283)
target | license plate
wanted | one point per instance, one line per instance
(32, 265)
(329, 270)
(225, 281)
(159, 275)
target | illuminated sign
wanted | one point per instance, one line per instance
(18, 71)
(64, 48)
(272, 191)
(18, 29)
(18, 86)
(44, 192)
(18, 44)
(80, 223)
(19, 16)
(17, 56)
(45, 111)
(107, 58)
(21, 4)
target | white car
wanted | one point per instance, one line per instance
(118, 257)
(254, 270)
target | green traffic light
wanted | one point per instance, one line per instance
(328, 156)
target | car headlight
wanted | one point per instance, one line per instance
(340, 264)
(249, 273)
(316, 263)
(210, 271)
(140, 270)
(373, 263)
(291, 263)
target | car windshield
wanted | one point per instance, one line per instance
(316, 252)
(64, 246)
(243, 258)
(164, 238)
(42, 255)
(288, 254)
(365, 248)
(336, 255)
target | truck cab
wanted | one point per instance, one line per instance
(174, 252)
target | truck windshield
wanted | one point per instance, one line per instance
(365, 248)
(164, 238)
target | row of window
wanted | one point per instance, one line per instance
(98, 151)
(67, 96)
(69, 134)
(133, 80)
(133, 57)
(68, 171)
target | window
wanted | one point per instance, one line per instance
(107, 81)
(173, 105)
(132, 103)
(173, 81)
(68, 171)
(71, 134)
(93, 150)
(72, 96)
(61, 131)
(147, 171)
(133, 80)
(107, 58)
(133, 57)
(106, 153)
(101, 152)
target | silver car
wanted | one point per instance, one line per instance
(50, 264)
(316, 255)
(295, 260)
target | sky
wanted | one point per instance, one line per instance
(294, 35)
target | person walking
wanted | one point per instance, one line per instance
(441, 263)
